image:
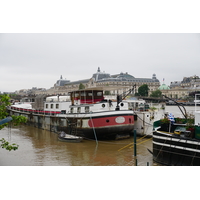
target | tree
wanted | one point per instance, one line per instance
(143, 90)
(16, 120)
(156, 93)
(81, 86)
(107, 93)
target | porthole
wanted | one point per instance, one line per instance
(122, 104)
(107, 120)
(103, 105)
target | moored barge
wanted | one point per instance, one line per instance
(87, 114)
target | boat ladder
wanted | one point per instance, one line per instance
(73, 130)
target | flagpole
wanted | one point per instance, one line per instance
(171, 118)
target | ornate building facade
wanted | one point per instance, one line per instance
(182, 89)
(101, 79)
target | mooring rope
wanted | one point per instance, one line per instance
(93, 129)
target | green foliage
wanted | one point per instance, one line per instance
(81, 86)
(143, 90)
(156, 93)
(107, 93)
(179, 120)
(4, 102)
(165, 121)
(190, 120)
(6, 145)
(152, 108)
(16, 120)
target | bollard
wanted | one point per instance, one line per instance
(135, 149)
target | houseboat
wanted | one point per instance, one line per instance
(84, 113)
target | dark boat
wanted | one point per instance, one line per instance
(177, 141)
(69, 138)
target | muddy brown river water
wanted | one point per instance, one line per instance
(39, 147)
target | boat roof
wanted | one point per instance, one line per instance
(102, 88)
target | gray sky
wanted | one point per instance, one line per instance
(37, 60)
(42, 40)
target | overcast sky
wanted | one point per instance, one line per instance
(37, 60)
(74, 38)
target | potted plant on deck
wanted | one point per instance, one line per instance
(165, 124)
(190, 124)
(179, 120)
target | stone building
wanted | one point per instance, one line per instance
(102, 79)
(182, 89)
(122, 80)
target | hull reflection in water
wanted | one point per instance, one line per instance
(42, 148)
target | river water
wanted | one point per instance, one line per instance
(39, 147)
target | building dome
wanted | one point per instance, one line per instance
(164, 87)
(61, 81)
(154, 78)
(125, 76)
(100, 75)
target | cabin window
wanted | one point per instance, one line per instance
(87, 109)
(77, 94)
(90, 94)
(63, 111)
(57, 106)
(79, 110)
(99, 94)
(83, 94)
(46, 105)
(72, 110)
(51, 105)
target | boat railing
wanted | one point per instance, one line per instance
(31, 111)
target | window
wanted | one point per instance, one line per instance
(72, 110)
(87, 109)
(79, 109)
(51, 105)
(83, 94)
(99, 93)
(46, 105)
(57, 106)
